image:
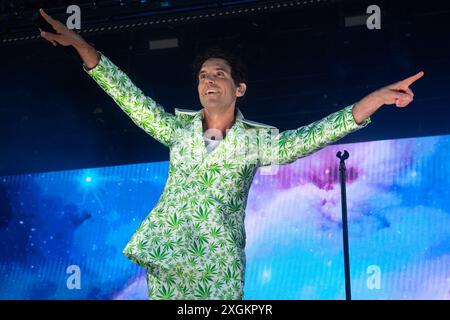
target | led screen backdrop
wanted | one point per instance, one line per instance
(58, 224)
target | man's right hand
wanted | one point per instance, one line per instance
(63, 36)
(67, 37)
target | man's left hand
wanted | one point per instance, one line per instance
(398, 93)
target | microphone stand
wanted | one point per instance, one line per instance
(343, 157)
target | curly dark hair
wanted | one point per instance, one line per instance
(239, 71)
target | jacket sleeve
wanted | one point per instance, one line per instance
(144, 111)
(290, 145)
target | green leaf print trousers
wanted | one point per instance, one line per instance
(209, 282)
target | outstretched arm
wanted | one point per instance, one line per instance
(144, 111)
(290, 145)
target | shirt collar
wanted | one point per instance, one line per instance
(239, 117)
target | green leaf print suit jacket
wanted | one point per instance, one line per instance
(199, 219)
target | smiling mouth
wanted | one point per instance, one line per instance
(210, 92)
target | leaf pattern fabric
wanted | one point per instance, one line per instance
(192, 243)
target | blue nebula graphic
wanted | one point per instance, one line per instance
(399, 227)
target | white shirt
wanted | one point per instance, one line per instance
(211, 144)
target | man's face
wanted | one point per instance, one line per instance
(216, 87)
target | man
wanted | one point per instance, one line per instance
(193, 241)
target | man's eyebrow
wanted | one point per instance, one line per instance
(220, 69)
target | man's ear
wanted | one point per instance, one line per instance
(241, 89)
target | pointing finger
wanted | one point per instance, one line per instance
(54, 23)
(46, 17)
(412, 79)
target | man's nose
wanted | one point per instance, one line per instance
(210, 78)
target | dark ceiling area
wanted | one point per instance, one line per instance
(305, 59)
